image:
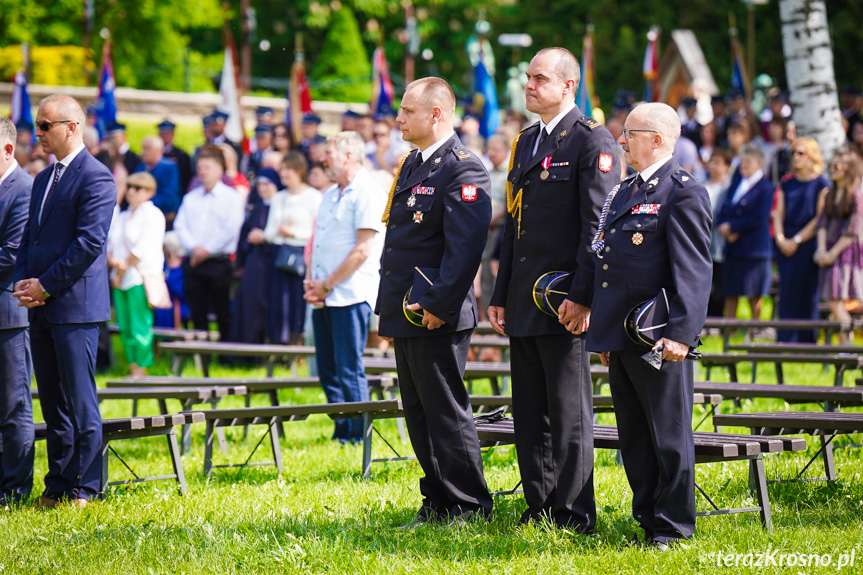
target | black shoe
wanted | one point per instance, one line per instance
(469, 516)
(423, 517)
(531, 517)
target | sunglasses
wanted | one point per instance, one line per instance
(132, 188)
(627, 132)
(44, 126)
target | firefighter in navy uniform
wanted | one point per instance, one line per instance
(437, 220)
(562, 168)
(654, 234)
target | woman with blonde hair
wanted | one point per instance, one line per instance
(134, 250)
(799, 203)
(839, 251)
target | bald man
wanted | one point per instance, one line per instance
(167, 176)
(61, 276)
(437, 221)
(654, 234)
(561, 169)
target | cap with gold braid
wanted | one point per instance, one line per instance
(386, 217)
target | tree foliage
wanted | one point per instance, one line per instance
(342, 70)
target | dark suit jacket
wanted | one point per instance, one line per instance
(184, 164)
(14, 206)
(167, 176)
(750, 217)
(645, 252)
(131, 161)
(66, 250)
(559, 216)
(444, 228)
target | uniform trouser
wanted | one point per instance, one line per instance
(440, 422)
(553, 415)
(65, 375)
(340, 338)
(208, 288)
(654, 422)
(135, 320)
(16, 416)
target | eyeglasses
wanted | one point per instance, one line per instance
(44, 126)
(627, 132)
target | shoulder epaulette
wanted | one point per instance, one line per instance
(461, 152)
(589, 122)
(681, 176)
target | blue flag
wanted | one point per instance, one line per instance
(106, 105)
(485, 101)
(21, 113)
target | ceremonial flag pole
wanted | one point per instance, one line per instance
(586, 98)
(383, 93)
(739, 78)
(229, 92)
(20, 109)
(651, 66)
(299, 95)
(106, 105)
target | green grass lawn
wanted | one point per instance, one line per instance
(320, 516)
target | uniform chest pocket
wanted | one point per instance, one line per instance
(643, 223)
(557, 174)
(419, 202)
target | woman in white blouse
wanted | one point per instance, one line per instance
(134, 250)
(290, 223)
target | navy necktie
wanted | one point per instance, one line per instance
(57, 167)
(543, 135)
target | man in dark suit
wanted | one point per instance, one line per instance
(61, 277)
(654, 234)
(179, 156)
(562, 167)
(16, 407)
(437, 219)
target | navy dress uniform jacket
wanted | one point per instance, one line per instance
(659, 237)
(439, 223)
(66, 250)
(750, 217)
(554, 212)
(14, 207)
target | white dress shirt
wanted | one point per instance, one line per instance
(429, 152)
(298, 211)
(211, 220)
(550, 126)
(65, 163)
(142, 233)
(358, 207)
(746, 185)
(654, 167)
(8, 172)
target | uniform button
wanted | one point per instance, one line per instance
(393, 226)
(396, 204)
(388, 273)
(604, 266)
(637, 225)
(389, 250)
(523, 232)
(524, 207)
(397, 188)
(36, 243)
(523, 259)
(607, 249)
(613, 230)
(527, 182)
(605, 284)
(554, 177)
(451, 312)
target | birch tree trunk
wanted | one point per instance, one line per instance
(809, 68)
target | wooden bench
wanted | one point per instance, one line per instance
(727, 326)
(709, 448)
(825, 425)
(841, 362)
(171, 334)
(830, 397)
(793, 348)
(133, 428)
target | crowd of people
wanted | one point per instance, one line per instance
(298, 241)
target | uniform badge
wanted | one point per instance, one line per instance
(468, 193)
(637, 238)
(418, 218)
(684, 178)
(650, 209)
(412, 201)
(437, 160)
(605, 162)
(543, 175)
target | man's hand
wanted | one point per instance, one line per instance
(29, 293)
(497, 317)
(429, 320)
(603, 357)
(574, 317)
(198, 255)
(256, 236)
(672, 350)
(315, 293)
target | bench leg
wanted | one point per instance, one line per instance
(176, 462)
(163, 406)
(220, 431)
(756, 470)
(205, 364)
(103, 481)
(780, 375)
(840, 375)
(208, 448)
(177, 364)
(367, 446)
(827, 456)
(274, 400)
(732, 372)
(271, 368)
(134, 408)
(495, 385)
(274, 443)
